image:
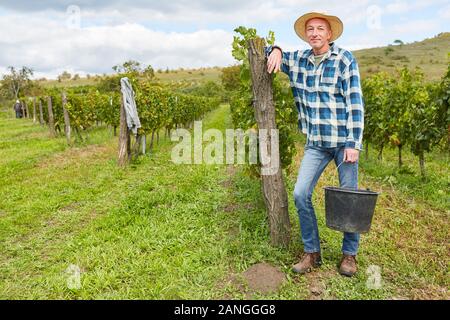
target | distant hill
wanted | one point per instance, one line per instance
(188, 75)
(431, 55)
(202, 74)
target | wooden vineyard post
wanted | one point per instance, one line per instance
(273, 189)
(26, 110)
(34, 109)
(137, 145)
(41, 114)
(124, 137)
(144, 143)
(22, 106)
(66, 118)
(51, 120)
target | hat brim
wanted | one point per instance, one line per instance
(337, 27)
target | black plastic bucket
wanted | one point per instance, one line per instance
(349, 210)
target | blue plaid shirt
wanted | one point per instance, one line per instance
(328, 97)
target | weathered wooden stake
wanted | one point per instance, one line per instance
(124, 138)
(137, 145)
(41, 114)
(144, 143)
(34, 110)
(66, 118)
(22, 106)
(273, 189)
(26, 109)
(51, 119)
(151, 142)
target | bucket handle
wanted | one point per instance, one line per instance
(336, 173)
(339, 165)
(337, 168)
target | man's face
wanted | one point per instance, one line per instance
(318, 33)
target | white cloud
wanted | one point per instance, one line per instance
(35, 33)
(181, 11)
(402, 6)
(50, 47)
(416, 26)
(3, 70)
(444, 13)
(398, 7)
(195, 11)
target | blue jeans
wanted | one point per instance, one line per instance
(313, 164)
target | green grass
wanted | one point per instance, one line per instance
(205, 74)
(433, 189)
(69, 83)
(157, 230)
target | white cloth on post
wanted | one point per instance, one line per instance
(129, 103)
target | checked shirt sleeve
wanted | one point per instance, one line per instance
(285, 56)
(351, 85)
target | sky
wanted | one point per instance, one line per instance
(90, 37)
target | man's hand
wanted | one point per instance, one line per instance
(274, 61)
(351, 155)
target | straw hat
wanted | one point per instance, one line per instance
(337, 27)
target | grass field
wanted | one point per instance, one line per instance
(173, 76)
(157, 230)
(435, 189)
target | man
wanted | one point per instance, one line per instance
(18, 109)
(326, 85)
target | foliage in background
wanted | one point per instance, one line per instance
(242, 110)
(158, 107)
(403, 110)
(16, 81)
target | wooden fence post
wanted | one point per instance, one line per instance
(66, 118)
(41, 114)
(137, 145)
(124, 137)
(144, 143)
(273, 188)
(26, 109)
(22, 107)
(51, 120)
(34, 109)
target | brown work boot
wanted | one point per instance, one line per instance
(348, 265)
(308, 262)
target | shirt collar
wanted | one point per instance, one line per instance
(332, 51)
